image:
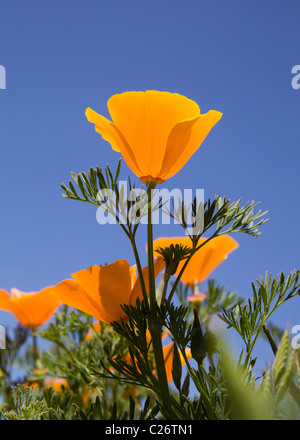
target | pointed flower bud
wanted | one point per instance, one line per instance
(198, 346)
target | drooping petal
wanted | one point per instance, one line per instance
(146, 119)
(109, 286)
(112, 134)
(184, 140)
(105, 127)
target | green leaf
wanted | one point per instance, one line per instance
(279, 364)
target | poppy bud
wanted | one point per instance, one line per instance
(198, 346)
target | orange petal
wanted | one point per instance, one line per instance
(146, 119)
(133, 275)
(72, 294)
(57, 383)
(5, 301)
(109, 286)
(205, 260)
(39, 306)
(105, 127)
(168, 352)
(7, 305)
(208, 258)
(32, 309)
(112, 134)
(184, 140)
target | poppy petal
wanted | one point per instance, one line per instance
(112, 134)
(109, 286)
(32, 309)
(185, 139)
(205, 260)
(73, 295)
(146, 119)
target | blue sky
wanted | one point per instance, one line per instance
(64, 56)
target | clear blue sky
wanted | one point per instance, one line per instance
(63, 56)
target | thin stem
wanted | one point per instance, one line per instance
(164, 292)
(140, 272)
(154, 328)
(34, 346)
(200, 387)
(270, 339)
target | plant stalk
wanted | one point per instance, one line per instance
(155, 329)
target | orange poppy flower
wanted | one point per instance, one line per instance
(205, 260)
(156, 132)
(32, 309)
(101, 290)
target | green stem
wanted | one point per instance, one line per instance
(34, 347)
(270, 339)
(140, 272)
(200, 387)
(164, 293)
(154, 328)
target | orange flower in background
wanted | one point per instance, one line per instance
(57, 383)
(101, 290)
(32, 309)
(155, 132)
(96, 327)
(205, 260)
(168, 351)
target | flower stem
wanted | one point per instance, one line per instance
(154, 328)
(34, 347)
(140, 272)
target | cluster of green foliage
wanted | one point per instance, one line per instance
(110, 372)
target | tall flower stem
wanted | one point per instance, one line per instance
(155, 329)
(34, 346)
